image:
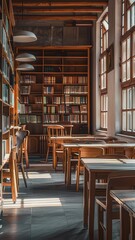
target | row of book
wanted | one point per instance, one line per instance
(28, 79)
(53, 79)
(5, 44)
(76, 89)
(23, 119)
(7, 94)
(5, 69)
(5, 122)
(51, 118)
(75, 100)
(25, 109)
(5, 143)
(75, 80)
(25, 90)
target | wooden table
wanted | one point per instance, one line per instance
(69, 146)
(126, 199)
(95, 169)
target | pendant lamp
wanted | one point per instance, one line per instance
(25, 57)
(25, 67)
(24, 36)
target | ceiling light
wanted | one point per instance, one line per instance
(24, 36)
(25, 57)
(25, 67)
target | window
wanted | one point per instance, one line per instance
(128, 66)
(103, 73)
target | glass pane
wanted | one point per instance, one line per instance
(128, 48)
(101, 65)
(104, 63)
(134, 67)
(124, 99)
(129, 121)
(122, 8)
(134, 97)
(133, 121)
(129, 98)
(124, 72)
(102, 83)
(124, 51)
(132, 16)
(124, 121)
(128, 70)
(133, 44)
(102, 103)
(128, 19)
(131, 1)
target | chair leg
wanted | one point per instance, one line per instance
(26, 158)
(47, 154)
(23, 174)
(100, 221)
(77, 179)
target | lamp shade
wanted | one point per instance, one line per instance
(24, 36)
(25, 57)
(25, 67)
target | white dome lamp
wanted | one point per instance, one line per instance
(25, 67)
(25, 57)
(24, 36)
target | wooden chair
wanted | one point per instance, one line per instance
(21, 143)
(53, 131)
(118, 150)
(20, 165)
(10, 175)
(86, 152)
(106, 207)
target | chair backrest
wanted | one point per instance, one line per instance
(54, 131)
(120, 180)
(90, 152)
(19, 154)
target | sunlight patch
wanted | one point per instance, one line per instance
(32, 202)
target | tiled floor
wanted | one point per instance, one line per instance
(46, 210)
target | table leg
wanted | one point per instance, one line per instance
(91, 204)
(132, 236)
(124, 224)
(85, 198)
(68, 167)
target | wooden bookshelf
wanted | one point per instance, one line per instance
(58, 90)
(6, 81)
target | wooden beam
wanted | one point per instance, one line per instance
(58, 4)
(58, 10)
(57, 18)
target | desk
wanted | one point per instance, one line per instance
(126, 199)
(69, 146)
(93, 169)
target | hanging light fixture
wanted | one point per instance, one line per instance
(24, 36)
(25, 67)
(25, 57)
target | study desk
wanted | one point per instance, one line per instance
(69, 146)
(126, 199)
(96, 168)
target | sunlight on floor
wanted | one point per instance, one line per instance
(32, 202)
(36, 175)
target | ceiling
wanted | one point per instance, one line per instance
(57, 12)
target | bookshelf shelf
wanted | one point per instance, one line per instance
(57, 91)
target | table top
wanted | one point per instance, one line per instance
(105, 145)
(126, 198)
(103, 165)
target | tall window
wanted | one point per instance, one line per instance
(103, 73)
(128, 66)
